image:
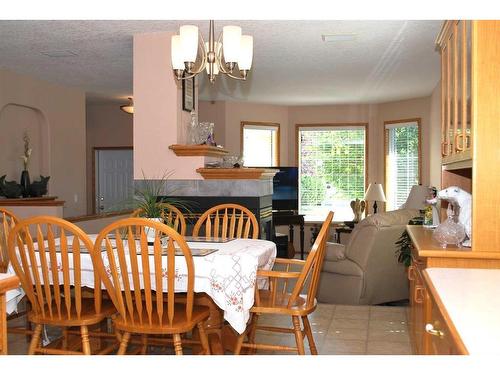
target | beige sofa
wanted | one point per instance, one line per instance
(366, 270)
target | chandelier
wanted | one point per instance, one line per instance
(231, 54)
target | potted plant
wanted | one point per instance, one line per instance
(146, 203)
(404, 249)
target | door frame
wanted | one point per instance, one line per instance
(94, 149)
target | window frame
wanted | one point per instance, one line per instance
(335, 125)
(263, 124)
(386, 149)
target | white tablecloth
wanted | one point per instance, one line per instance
(228, 275)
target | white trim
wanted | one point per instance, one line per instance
(411, 124)
(261, 127)
(329, 128)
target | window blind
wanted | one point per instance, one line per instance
(331, 169)
(402, 163)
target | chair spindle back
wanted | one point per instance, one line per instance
(313, 265)
(7, 221)
(227, 221)
(141, 277)
(46, 254)
(171, 215)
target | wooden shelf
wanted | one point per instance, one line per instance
(458, 160)
(34, 201)
(427, 247)
(236, 173)
(198, 150)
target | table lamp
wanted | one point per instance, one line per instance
(375, 193)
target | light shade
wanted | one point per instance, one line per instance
(416, 198)
(176, 53)
(189, 42)
(246, 52)
(129, 108)
(231, 41)
(375, 193)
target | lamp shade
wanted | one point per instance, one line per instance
(176, 53)
(189, 42)
(246, 52)
(375, 192)
(231, 41)
(416, 198)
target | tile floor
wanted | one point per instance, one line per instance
(337, 329)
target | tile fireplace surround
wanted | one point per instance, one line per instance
(256, 195)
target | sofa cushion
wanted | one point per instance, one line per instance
(389, 218)
(343, 267)
(334, 252)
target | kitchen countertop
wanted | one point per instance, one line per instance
(471, 298)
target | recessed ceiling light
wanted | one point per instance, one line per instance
(63, 53)
(338, 37)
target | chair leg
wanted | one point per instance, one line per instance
(65, 338)
(178, 344)
(299, 339)
(310, 337)
(85, 340)
(35, 340)
(239, 342)
(253, 331)
(123, 343)
(144, 348)
(203, 338)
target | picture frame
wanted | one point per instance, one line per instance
(188, 99)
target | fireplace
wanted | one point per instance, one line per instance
(256, 195)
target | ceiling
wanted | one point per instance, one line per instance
(383, 61)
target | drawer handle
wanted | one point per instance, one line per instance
(411, 275)
(420, 289)
(429, 328)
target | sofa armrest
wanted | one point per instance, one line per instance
(334, 252)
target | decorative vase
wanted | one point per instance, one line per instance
(449, 232)
(25, 183)
(151, 232)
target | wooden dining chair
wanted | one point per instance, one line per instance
(227, 221)
(142, 281)
(7, 221)
(46, 254)
(171, 216)
(276, 300)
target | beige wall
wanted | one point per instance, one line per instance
(159, 120)
(59, 113)
(107, 126)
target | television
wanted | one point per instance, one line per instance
(286, 189)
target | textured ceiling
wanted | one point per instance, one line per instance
(387, 60)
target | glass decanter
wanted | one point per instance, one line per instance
(449, 232)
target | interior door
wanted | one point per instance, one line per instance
(114, 179)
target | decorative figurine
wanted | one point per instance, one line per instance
(358, 207)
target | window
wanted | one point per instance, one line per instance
(332, 165)
(402, 160)
(260, 144)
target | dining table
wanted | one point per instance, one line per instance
(225, 281)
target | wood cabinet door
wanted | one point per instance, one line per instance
(438, 333)
(419, 305)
